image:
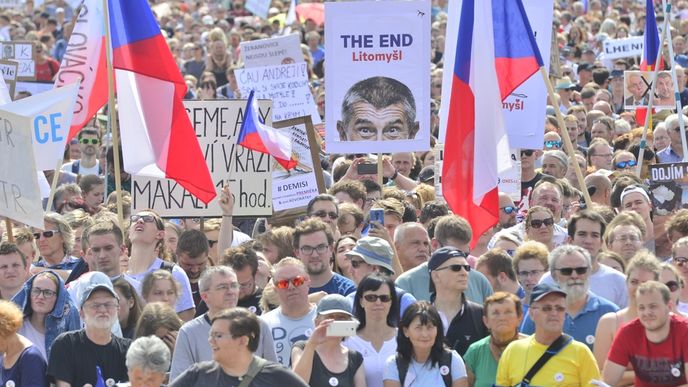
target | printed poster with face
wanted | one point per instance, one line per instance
(637, 86)
(378, 84)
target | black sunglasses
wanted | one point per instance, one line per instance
(537, 223)
(528, 152)
(624, 164)
(672, 285)
(455, 268)
(46, 234)
(569, 270)
(325, 214)
(375, 297)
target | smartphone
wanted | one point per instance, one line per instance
(342, 328)
(377, 215)
(366, 169)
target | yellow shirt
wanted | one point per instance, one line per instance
(572, 366)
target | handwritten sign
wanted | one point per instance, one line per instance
(623, 48)
(23, 53)
(286, 85)
(272, 52)
(11, 3)
(217, 124)
(9, 69)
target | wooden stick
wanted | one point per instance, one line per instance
(53, 185)
(8, 226)
(379, 169)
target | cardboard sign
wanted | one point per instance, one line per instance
(509, 181)
(9, 70)
(272, 52)
(217, 124)
(20, 197)
(24, 53)
(669, 187)
(623, 48)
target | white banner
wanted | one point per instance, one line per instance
(377, 97)
(20, 197)
(259, 8)
(272, 52)
(11, 3)
(623, 48)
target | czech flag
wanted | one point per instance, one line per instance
(650, 48)
(257, 136)
(158, 139)
(491, 51)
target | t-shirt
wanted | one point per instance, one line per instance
(480, 360)
(28, 370)
(185, 301)
(83, 171)
(338, 284)
(209, 373)
(323, 377)
(252, 302)
(655, 364)
(574, 365)
(287, 331)
(37, 338)
(74, 358)
(420, 375)
(373, 361)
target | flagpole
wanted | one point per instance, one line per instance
(53, 185)
(112, 116)
(8, 226)
(568, 145)
(651, 100)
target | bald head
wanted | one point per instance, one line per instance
(602, 188)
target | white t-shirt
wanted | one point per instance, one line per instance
(373, 362)
(424, 374)
(67, 167)
(37, 338)
(287, 331)
(607, 283)
(185, 301)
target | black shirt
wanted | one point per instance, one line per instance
(74, 358)
(322, 377)
(209, 373)
(466, 328)
(252, 302)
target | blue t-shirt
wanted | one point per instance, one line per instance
(424, 374)
(29, 370)
(338, 284)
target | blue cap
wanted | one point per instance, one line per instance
(542, 290)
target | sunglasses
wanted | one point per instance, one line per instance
(374, 297)
(624, 164)
(552, 144)
(455, 268)
(145, 218)
(325, 214)
(296, 281)
(356, 264)
(528, 152)
(46, 234)
(508, 209)
(569, 270)
(537, 223)
(92, 141)
(672, 285)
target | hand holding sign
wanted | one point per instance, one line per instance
(226, 201)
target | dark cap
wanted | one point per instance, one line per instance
(542, 290)
(584, 66)
(427, 175)
(442, 254)
(616, 74)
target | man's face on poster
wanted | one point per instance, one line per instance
(664, 87)
(370, 124)
(636, 86)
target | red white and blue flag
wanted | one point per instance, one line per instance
(255, 135)
(158, 139)
(650, 48)
(493, 51)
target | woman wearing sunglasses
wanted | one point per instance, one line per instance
(679, 258)
(672, 279)
(624, 161)
(540, 226)
(48, 310)
(642, 268)
(376, 308)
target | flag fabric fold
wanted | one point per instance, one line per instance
(494, 52)
(649, 57)
(157, 136)
(255, 135)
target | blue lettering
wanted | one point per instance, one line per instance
(41, 136)
(55, 126)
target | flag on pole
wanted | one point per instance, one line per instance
(157, 136)
(85, 61)
(649, 58)
(255, 135)
(494, 51)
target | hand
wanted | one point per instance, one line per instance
(352, 172)
(378, 230)
(388, 169)
(319, 335)
(170, 339)
(226, 201)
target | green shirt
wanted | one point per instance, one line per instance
(479, 358)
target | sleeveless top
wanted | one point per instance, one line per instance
(322, 377)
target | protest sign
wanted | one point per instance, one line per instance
(11, 3)
(377, 100)
(669, 187)
(439, 162)
(509, 180)
(295, 188)
(271, 52)
(259, 8)
(637, 86)
(623, 48)
(22, 52)
(20, 197)
(217, 124)
(51, 115)
(286, 85)
(9, 70)
(32, 88)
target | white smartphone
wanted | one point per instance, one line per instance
(342, 328)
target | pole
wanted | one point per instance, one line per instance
(379, 169)
(565, 136)
(8, 226)
(112, 117)
(53, 184)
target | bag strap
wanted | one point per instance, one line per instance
(554, 348)
(446, 361)
(75, 167)
(403, 367)
(254, 369)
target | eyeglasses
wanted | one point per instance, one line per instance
(374, 297)
(109, 306)
(531, 273)
(211, 243)
(528, 152)
(47, 293)
(46, 234)
(220, 336)
(550, 308)
(145, 218)
(226, 287)
(680, 261)
(296, 281)
(552, 144)
(624, 164)
(508, 209)
(627, 238)
(92, 141)
(455, 268)
(672, 285)
(357, 263)
(308, 250)
(537, 223)
(325, 214)
(569, 270)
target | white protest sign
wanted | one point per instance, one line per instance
(217, 124)
(9, 69)
(259, 8)
(377, 97)
(509, 181)
(623, 48)
(51, 116)
(11, 3)
(23, 53)
(271, 52)
(20, 197)
(285, 85)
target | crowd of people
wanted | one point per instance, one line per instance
(560, 292)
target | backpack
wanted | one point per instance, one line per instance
(77, 163)
(167, 266)
(445, 361)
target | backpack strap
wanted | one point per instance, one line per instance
(166, 266)
(402, 366)
(446, 361)
(554, 348)
(254, 369)
(75, 167)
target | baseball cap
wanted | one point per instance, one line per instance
(616, 74)
(374, 251)
(92, 281)
(542, 290)
(427, 175)
(334, 303)
(441, 256)
(564, 83)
